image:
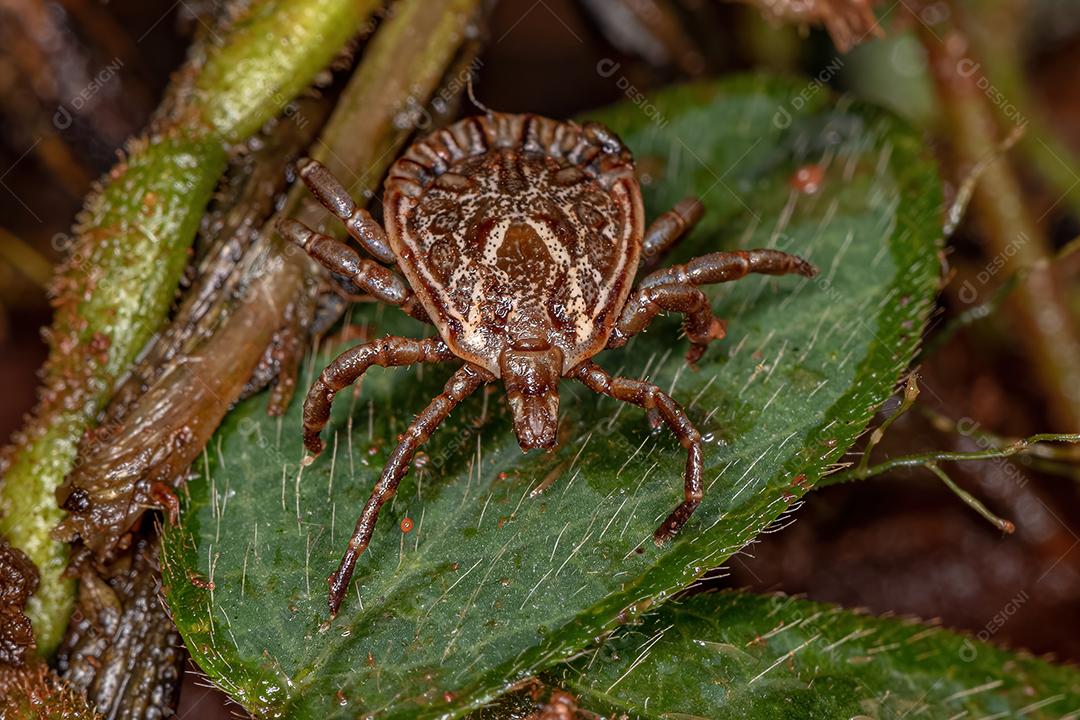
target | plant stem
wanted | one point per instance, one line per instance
(911, 394)
(24, 258)
(114, 471)
(971, 501)
(997, 37)
(1023, 445)
(407, 60)
(131, 248)
(930, 460)
(109, 298)
(990, 307)
(1015, 242)
(1063, 461)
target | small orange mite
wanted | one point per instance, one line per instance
(406, 525)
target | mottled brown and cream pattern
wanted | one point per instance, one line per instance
(517, 232)
(519, 238)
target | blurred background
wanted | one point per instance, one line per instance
(78, 77)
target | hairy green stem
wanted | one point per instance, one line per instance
(131, 247)
(971, 501)
(911, 394)
(921, 459)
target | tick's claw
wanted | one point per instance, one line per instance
(339, 583)
(314, 445)
(164, 495)
(700, 343)
(653, 416)
(675, 521)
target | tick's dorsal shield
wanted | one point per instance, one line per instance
(512, 228)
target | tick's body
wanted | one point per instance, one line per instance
(520, 238)
(517, 232)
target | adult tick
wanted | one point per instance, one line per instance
(519, 238)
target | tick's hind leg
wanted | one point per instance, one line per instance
(337, 257)
(646, 303)
(656, 403)
(347, 368)
(462, 384)
(335, 198)
(668, 229)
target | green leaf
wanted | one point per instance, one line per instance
(737, 655)
(497, 578)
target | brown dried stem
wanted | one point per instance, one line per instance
(149, 431)
(174, 418)
(1014, 240)
(122, 649)
(651, 29)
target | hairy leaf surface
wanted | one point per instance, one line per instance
(733, 655)
(514, 561)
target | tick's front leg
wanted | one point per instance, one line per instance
(350, 365)
(462, 384)
(337, 257)
(668, 229)
(335, 198)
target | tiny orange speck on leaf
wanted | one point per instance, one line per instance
(808, 179)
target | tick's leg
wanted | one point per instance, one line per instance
(335, 198)
(337, 257)
(719, 267)
(354, 362)
(646, 303)
(666, 230)
(674, 288)
(463, 383)
(656, 403)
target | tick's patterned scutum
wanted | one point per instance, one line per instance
(519, 237)
(517, 230)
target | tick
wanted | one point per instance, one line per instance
(519, 238)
